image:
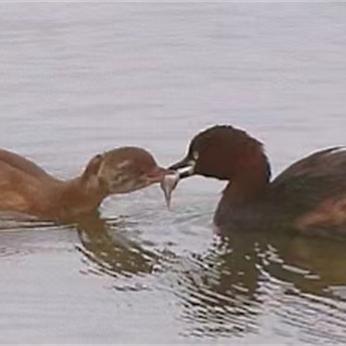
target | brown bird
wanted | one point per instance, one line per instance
(27, 188)
(309, 196)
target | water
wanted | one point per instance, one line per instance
(78, 79)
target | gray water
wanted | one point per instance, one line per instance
(78, 79)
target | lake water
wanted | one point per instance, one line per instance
(78, 79)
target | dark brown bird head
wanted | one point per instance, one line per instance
(221, 152)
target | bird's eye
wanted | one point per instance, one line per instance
(195, 155)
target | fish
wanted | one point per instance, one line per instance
(168, 185)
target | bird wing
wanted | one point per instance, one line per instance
(314, 186)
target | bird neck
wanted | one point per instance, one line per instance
(248, 182)
(77, 196)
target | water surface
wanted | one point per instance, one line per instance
(78, 79)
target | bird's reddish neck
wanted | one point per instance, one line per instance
(243, 194)
(249, 180)
(245, 189)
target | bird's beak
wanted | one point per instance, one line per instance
(157, 175)
(180, 170)
(185, 167)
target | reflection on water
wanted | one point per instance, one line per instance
(113, 255)
(234, 286)
(237, 283)
(218, 290)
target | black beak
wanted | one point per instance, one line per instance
(185, 167)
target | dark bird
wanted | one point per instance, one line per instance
(309, 196)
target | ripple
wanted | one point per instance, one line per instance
(24, 235)
(317, 319)
(106, 250)
(213, 298)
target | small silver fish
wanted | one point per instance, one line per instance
(168, 184)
